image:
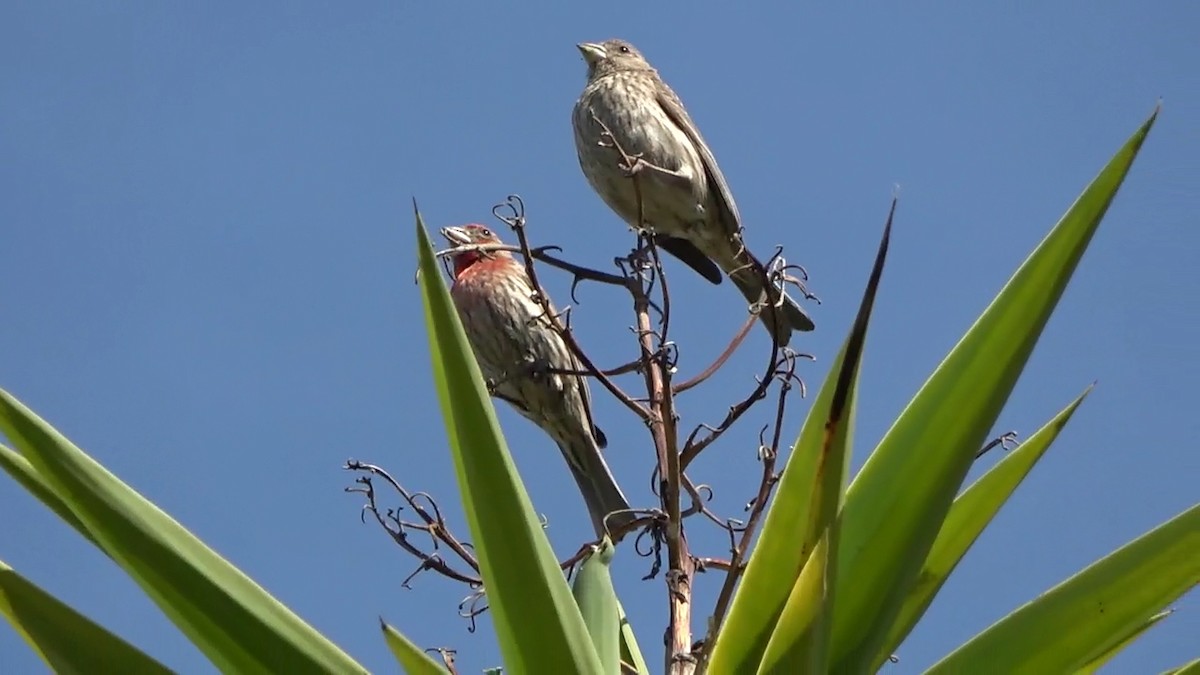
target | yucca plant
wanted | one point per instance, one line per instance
(837, 578)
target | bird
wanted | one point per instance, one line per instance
(519, 352)
(686, 202)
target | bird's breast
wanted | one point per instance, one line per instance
(633, 115)
(627, 106)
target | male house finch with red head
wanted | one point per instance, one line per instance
(515, 345)
(685, 199)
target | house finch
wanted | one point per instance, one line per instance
(517, 349)
(686, 202)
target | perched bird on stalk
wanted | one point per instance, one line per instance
(685, 200)
(518, 351)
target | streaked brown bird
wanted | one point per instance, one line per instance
(517, 349)
(686, 201)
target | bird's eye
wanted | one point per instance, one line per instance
(485, 232)
(624, 49)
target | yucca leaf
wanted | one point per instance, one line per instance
(778, 621)
(237, 624)
(411, 658)
(895, 506)
(1074, 622)
(23, 472)
(66, 640)
(784, 546)
(968, 516)
(1120, 643)
(631, 654)
(538, 625)
(597, 600)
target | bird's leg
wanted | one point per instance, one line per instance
(638, 262)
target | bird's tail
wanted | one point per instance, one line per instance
(597, 485)
(780, 314)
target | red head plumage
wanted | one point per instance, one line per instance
(477, 235)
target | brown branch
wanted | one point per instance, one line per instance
(643, 277)
(661, 421)
(447, 656)
(1007, 440)
(705, 564)
(716, 365)
(615, 534)
(665, 318)
(782, 366)
(768, 455)
(680, 568)
(540, 254)
(624, 368)
(578, 271)
(517, 223)
(698, 501)
(693, 447)
(432, 523)
(471, 607)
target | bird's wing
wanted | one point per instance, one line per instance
(516, 404)
(692, 256)
(585, 395)
(671, 104)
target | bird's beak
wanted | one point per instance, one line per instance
(457, 236)
(592, 52)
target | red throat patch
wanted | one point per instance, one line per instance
(463, 261)
(472, 263)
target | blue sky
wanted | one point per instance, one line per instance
(208, 254)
